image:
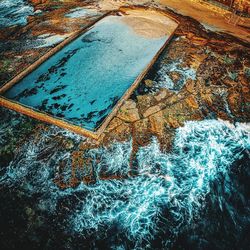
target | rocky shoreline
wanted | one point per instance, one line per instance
(171, 170)
(207, 76)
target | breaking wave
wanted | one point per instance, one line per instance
(170, 192)
(14, 12)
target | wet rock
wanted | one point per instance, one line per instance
(190, 85)
(161, 95)
(141, 133)
(30, 212)
(196, 60)
(115, 122)
(128, 112)
(157, 123)
(234, 101)
(175, 76)
(68, 144)
(120, 133)
(212, 69)
(152, 110)
(144, 102)
(172, 122)
(200, 41)
(191, 102)
(177, 50)
(149, 83)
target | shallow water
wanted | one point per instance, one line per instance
(49, 40)
(84, 81)
(14, 12)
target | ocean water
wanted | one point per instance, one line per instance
(162, 79)
(84, 81)
(14, 12)
(194, 197)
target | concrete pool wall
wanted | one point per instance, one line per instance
(136, 14)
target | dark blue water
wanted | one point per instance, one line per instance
(194, 197)
(84, 81)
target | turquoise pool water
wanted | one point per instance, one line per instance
(84, 81)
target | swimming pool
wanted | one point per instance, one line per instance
(84, 81)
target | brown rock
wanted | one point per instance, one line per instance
(222, 115)
(141, 125)
(173, 122)
(246, 94)
(197, 116)
(35, 2)
(175, 76)
(145, 101)
(199, 41)
(149, 83)
(196, 60)
(120, 133)
(190, 86)
(192, 103)
(190, 35)
(152, 110)
(229, 82)
(244, 81)
(129, 112)
(140, 132)
(206, 95)
(161, 95)
(115, 122)
(157, 123)
(234, 100)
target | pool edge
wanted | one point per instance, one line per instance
(42, 116)
(49, 54)
(46, 117)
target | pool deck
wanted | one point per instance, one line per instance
(63, 123)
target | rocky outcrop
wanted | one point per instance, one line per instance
(157, 123)
(242, 5)
(218, 86)
(129, 112)
(38, 1)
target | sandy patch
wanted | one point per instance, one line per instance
(211, 16)
(149, 23)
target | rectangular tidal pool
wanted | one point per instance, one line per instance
(82, 82)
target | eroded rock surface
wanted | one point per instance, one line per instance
(201, 75)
